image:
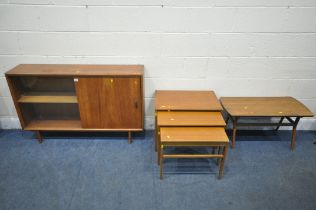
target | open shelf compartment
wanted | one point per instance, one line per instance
(41, 89)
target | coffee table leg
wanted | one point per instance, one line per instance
(281, 120)
(234, 119)
(293, 142)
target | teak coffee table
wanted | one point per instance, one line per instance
(283, 107)
(189, 118)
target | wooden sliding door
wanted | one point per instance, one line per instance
(110, 102)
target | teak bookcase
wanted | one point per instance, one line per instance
(54, 97)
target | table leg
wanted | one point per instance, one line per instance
(293, 142)
(281, 120)
(158, 145)
(161, 161)
(221, 169)
(156, 132)
(234, 119)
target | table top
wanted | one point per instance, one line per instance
(186, 100)
(265, 107)
(193, 134)
(75, 70)
(190, 118)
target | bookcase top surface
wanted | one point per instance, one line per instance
(76, 70)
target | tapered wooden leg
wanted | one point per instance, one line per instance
(281, 120)
(129, 137)
(158, 145)
(161, 161)
(156, 132)
(234, 119)
(293, 142)
(39, 136)
(221, 169)
(158, 155)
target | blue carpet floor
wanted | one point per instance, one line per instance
(101, 171)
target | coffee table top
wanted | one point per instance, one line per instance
(186, 100)
(265, 107)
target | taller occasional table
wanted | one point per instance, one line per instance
(284, 107)
(189, 118)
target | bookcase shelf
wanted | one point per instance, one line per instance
(47, 99)
(52, 125)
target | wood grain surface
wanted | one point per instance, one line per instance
(265, 106)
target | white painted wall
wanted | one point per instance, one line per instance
(235, 47)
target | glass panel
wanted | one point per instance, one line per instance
(51, 86)
(44, 111)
